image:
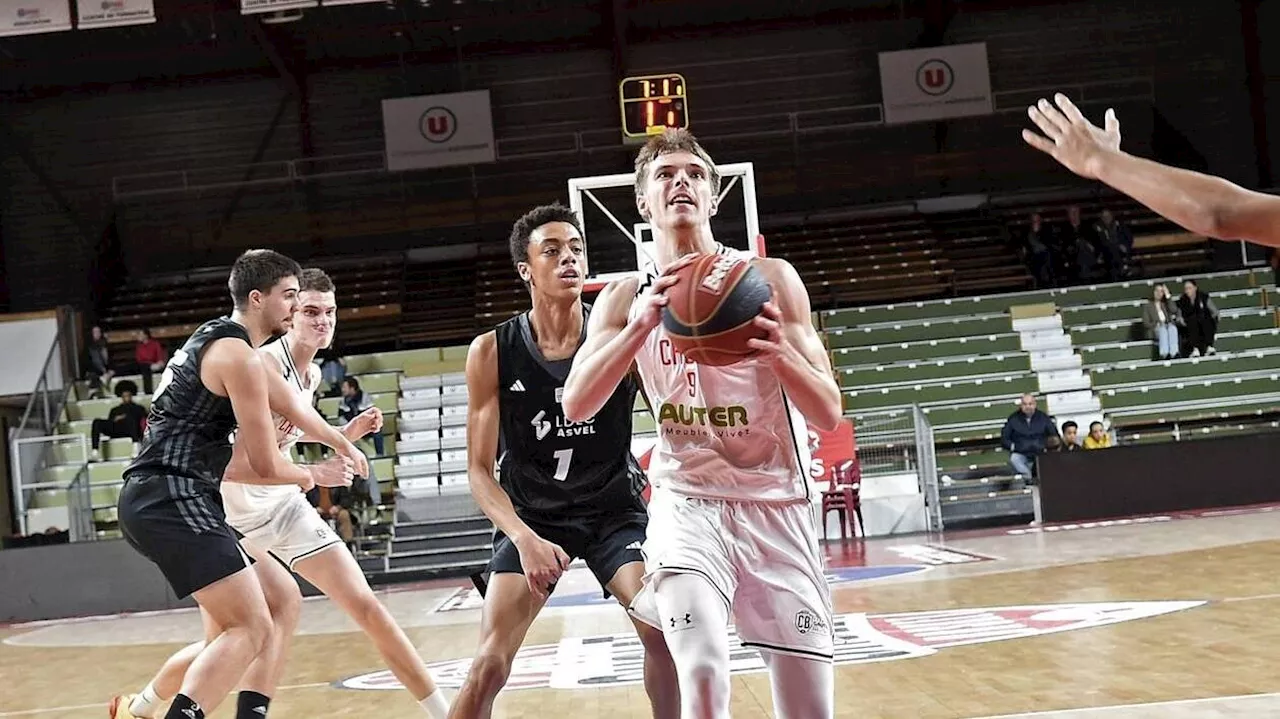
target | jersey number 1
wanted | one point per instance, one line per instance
(563, 458)
(178, 359)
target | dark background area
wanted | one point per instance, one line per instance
(179, 144)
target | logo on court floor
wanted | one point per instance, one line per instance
(618, 659)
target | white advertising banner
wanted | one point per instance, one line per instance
(250, 7)
(438, 130)
(935, 83)
(113, 13)
(29, 17)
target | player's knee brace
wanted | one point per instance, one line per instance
(695, 623)
(802, 688)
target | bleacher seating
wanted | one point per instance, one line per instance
(963, 363)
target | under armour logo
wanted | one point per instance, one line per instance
(688, 619)
(541, 427)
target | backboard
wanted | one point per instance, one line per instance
(619, 242)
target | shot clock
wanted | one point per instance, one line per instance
(651, 104)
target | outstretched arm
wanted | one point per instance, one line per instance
(542, 561)
(794, 348)
(290, 405)
(1203, 204)
(234, 369)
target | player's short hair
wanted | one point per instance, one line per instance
(314, 279)
(541, 215)
(258, 270)
(673, 140)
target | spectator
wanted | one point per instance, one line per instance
(149, 357)
(99, 372)
(1098, 437)
(1199, 317)
(1076, 241)
(1160, 318)
(1070, 436)
(355, 401)
(336, 505)
(1116, 242)
(127, 419)
(1039, 252)
(1024, 435)
(332, 371)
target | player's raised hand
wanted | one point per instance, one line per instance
(650, 304)
(333, 472)
(1070, 138)
(543, 562)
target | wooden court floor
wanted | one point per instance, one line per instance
(1163, 617)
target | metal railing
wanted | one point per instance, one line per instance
(928, 468)
(572, 143)
(31, 449)
(900, 441)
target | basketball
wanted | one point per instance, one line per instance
(708, 317)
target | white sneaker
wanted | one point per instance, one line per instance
(1211, 351)
(1195, 353)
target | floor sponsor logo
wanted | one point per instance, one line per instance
(618, 659)
(937, 556)
(468, 598)
(1054, 528)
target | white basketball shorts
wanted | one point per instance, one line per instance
(761, 557)
(293, 531)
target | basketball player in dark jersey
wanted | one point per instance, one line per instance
(567, 489)
(170, 507)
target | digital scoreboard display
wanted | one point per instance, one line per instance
(651, 104)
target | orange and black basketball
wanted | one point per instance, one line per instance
(710, 310)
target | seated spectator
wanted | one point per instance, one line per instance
(332, 371)
(1199, 317)
(1160, 319)
(1116, 242)
(99, 372)
(127, 419)
(1098, 437)
(1076, 240)
(355, 401)
(1039, 252)
(1070, 436)
(149, 358)
(335, 504)
(1024, 435)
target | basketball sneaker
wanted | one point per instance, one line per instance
(119, 708)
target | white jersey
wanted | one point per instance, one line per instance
(723, 432)
(247, 504)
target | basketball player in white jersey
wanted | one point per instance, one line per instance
(731, 528)
(280, 528)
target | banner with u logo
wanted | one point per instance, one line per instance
(438, 130)
(935, 83)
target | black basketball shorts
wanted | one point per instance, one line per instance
(604, 542)
(178, 523)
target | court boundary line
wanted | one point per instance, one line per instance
(1116, 707)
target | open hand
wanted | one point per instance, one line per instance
(771, 347)
(649, 314)
(1070, 138)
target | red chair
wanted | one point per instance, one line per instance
(844, 497)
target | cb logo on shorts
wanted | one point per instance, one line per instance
(805, 622)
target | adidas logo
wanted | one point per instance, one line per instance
(261, 710)
(635, 545)
(518, 386)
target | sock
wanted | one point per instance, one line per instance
(435, 705)
(184, 708)
(145, 704)
(251, 705)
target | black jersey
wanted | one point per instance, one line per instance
(189, 427)
(550, 467)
